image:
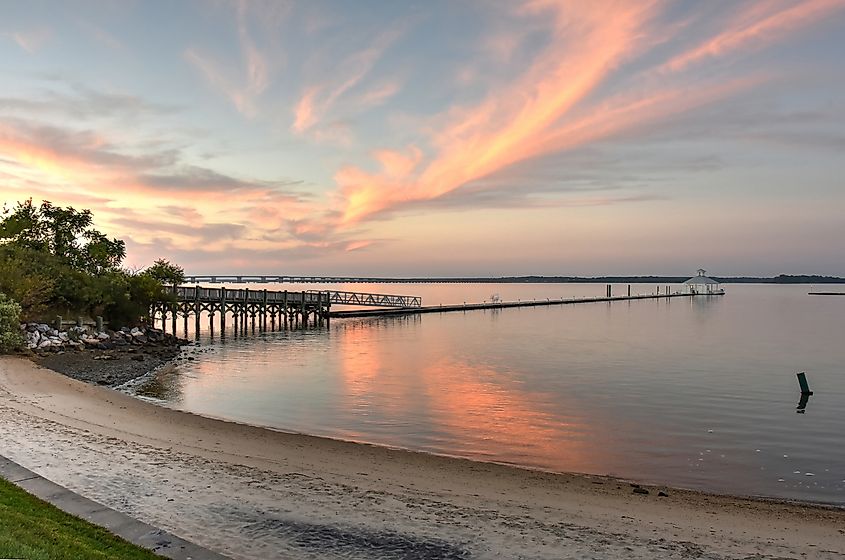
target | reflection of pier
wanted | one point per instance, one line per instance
(265, 308)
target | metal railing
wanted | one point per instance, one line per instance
(371, 300)
(197, 293)
(324, 297)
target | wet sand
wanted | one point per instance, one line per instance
(255, 493)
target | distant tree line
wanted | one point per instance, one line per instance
(781, 279)
(54, 262)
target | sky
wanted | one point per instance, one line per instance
(444, 138)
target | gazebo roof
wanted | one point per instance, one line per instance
(701, 278)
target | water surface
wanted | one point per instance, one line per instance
(698, 393)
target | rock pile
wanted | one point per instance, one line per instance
(41, 337)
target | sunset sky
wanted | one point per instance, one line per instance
(436, 137)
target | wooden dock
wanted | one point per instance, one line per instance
(272, 310)
(265, 309)
(507, 304)
(262, 307)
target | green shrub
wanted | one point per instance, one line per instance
(11, 338)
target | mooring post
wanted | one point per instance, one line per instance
(99, 320)
(223, 311)
(802, 382)
(245, 309)
(320, 308)
(285, 307)
(197, 311)
(629, 290)
(263, 320)
(328, 310)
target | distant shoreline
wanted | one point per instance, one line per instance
(780, 279)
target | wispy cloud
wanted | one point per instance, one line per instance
(81, 102)
(754, 26)
(560, 103)
(510, 124)
(319, 99)
(31, 40)
(243, 85)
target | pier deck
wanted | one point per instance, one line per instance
(504, 305)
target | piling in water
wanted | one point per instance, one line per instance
(802, 382)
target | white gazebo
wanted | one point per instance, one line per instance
(701, 284)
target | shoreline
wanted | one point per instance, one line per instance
(422, 500)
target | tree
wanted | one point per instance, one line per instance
(11, 338)
(166, 272)
(53, 262)
(65, 233)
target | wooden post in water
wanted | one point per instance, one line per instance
(320, 308)
(263, 319)
(802, 382)
(328, 309)
(197, 310)
(223, 311)
(285, 308)
(629, 290)
(303, 311)
(244, 305)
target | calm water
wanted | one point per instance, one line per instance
(697, 393)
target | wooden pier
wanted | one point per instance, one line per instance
(510, 304)
(272, 310)
(264, 309)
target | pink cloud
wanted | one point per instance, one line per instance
(31, 40)
(505, 127)
(756, 26)
(556, 103)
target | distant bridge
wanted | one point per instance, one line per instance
(287, 279)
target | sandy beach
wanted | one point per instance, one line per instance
(254, 493)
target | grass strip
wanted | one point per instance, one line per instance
(32, 529)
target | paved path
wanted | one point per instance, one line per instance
(138, 533)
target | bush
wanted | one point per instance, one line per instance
(11, 338)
